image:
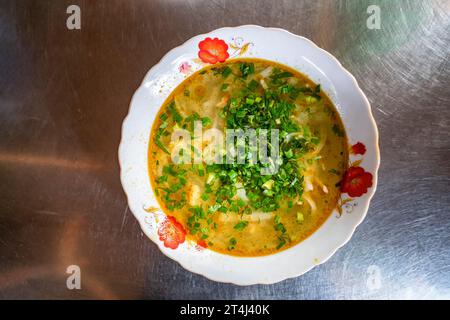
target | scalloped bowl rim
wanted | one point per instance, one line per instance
(287, 275)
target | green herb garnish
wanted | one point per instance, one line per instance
(241, 225)
(232, 244)
(246, 69)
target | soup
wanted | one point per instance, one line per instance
(258, 205)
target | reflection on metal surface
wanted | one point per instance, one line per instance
(47, 161)
(79, 84)
(19, 276)
(69, 254)
(54, 272)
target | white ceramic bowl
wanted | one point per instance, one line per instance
(271, 44)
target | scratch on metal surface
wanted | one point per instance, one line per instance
(383, 112)
(124, 218)
(47, 212)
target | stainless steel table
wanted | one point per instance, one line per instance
(64, 94)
